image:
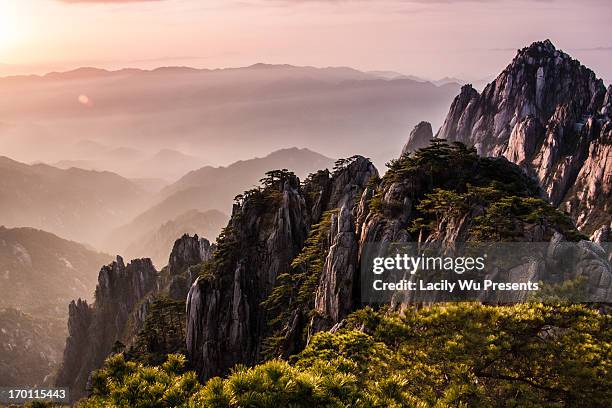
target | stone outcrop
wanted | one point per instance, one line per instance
(226, 323)
(187, 252)
(94, 330)
(551, 115)
(420, 137)
(122, 299)
(336, 294)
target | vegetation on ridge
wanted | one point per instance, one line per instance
(464, 354)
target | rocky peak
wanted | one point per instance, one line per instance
(187, 254)
(93, 330)
(131, 281)
(188, 251)
(420, 137)
(606, 108)
(226, 322)
(548, 113)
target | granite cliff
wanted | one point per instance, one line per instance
(131, 301)
(552, 116)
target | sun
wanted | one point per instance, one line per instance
(11, 24)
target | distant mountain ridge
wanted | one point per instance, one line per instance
(39, 274)
(74, 203)
(157, 243)
(168, 164)
(211, 188)
(215, 114)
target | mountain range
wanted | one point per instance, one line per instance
(166, 165)
(219, 116)
(208, 188)
(283, 280)
(76, 204)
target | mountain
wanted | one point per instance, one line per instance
(76, 204)
(137, 310)
(157, 244)
(284, 276)
(552, 116)
(213, 188)
(277, 305)
(287, 265)
(448, 80)
(93, 330)
(215, 115)
(40, 274)
(169, 164)
(30, 348)
(165, 164)
(44, 271)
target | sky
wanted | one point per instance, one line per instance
(472, 40)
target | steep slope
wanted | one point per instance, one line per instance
(226, 323)
(136, 310)
(30, 348)
(40, 274)
(93, 330)
(213, 188)
(75, 204)
(551, 115)
(288, 263)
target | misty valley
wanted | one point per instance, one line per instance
(182, 237)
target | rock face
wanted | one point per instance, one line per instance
(226, 323)
(420, 137)
(187, 252)
(93, 330)
(122, 300)
(291, 252)
(224, 316)
(551, 115)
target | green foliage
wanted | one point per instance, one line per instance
(498, 221)
(523, 355)
(294, 290)
(567, 292)
(276, 178)
(439, 158)
(342, 164)
(450, 355)
(163, 332)
(41, 404)
(124, 383)
(277, 384)
(502, 215)
(448, 180)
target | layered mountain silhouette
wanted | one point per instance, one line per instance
(210, 188)
(166, 164)
(74, 203)
(216, 115)
(157, 244)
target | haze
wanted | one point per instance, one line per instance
(433, 39)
